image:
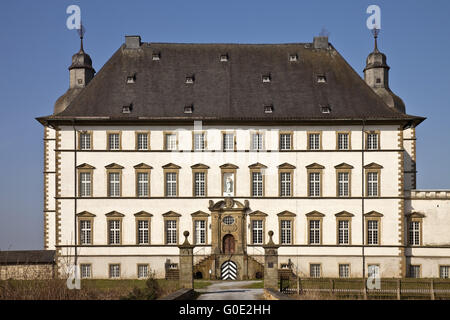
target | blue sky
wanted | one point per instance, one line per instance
(37, 48)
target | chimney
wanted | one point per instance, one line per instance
(132, 42)
(321, 42)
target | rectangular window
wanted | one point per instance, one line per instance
(343, 184)
(373, 271)
(314, 270)
(372, 232)
(372, 141)
(113, 141)
(285, 184)
(344, 271)
(85, 232)
(143, 232)
(257, 231)
(85, 141)
(444, 272)
(343, 141)
(171, 141)
(344, 232)
(314, 184)
(286, 232)
(257, 141)
(257, 184)
(171, 232)
(114, 231)
(142, 184)
(200, 184)
(114, 271)
(114, 184)
(228, 141)
(142, 141)
(372, 184)
(285, 141)
(314, 141)
(171, 184)
(314, 231)
(142, 271)
(414, 271)
(200, 232)
(414, 233)
(199, 141)
(85, 184)
(86, 271)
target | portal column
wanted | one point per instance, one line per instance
(186, 263)
(271, 264)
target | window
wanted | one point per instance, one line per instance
(171, 232)
(293, 57)
(314, 141)
(372, 232)
(343, 184)
(373, 271)
(414, 233)
(131, 79)
(228, 141)
(142, 141)
(286, 231)
(127, 109)
(314, 270)
(171, 184)
(314, 231)
(85, 184)
(325, 109)
(143, 231)
(321, 79)
(188, 109)
(266, 78)
(343, 141)
(372, 141)
(114, 231)
(189, 80)
(444, 272)
(85, 141)
(228, 220)
(199, 141)
(314, 184)
(200, 232)
(86, 271)
(285, 141)
(114, 271)
(142, 184)
(156, 56)
(199, 184)
(113, 141)
(414, 271)
(257, 231)
(224, 58)
(257, 184)
(257, 141)
(343, 232)
(114, 184)
(344, 271)
(142, 271)
(268, 109)
(372, 184)
(85, 232)
(285, 184)
(171, 141)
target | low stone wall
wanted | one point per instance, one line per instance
(27, 271)
(182, 294)
(271, 294)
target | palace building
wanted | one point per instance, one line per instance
(229, 142)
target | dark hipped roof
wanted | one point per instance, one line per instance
(27, 257)
(231, 90)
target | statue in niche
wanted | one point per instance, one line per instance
(229, 185)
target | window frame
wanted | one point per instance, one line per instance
(287, 133)
(143, 265)
(263, 140)
(108, 145)
(233, 133)
(91, 135)
(348, 271)
(137, 134)
(308, 144)
(204, 135)
(366, 140)
(286, 216)
(171, 168)
(143, 216)
(109, 270)
(85, 216)
(349, 140)
(171, 216)
(167, 133)
(113, 168)
(90, 270)
(85, 168)
(258, 216)
(314, 168)
(416, 218)
(197, 169)
(373, 216)
(138, 169)
(310, 270)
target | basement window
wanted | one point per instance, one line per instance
(293, 57)
(224, 58)
(190, 80)
(188, 109)
(325, 109)
(268, 109)
(266, 78)
(321, 79)
(127, 109)
(156, 56)
(131, 79)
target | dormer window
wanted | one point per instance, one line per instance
(268, 109)
(188, 109)
(224, 58)
(325, 109)
(127, 109)
(321, 79)
(293, 57)
(156, 56)
(131, 79)
(266, 78)
(189, 80)
(378, 80)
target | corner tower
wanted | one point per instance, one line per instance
(376, 75)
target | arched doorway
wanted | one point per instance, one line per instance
(229, 270)
(228, 244)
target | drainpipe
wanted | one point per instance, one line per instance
(75, 195)
(362, 204)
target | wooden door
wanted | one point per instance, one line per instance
(228, 244)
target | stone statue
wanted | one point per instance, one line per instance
(229, 185)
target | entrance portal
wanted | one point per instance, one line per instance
(228, 244)
(229, 270)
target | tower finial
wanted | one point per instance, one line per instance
(81, 31)
(375, 33)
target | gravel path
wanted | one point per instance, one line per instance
(230, 290)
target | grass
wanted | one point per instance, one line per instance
(201, 284)
(255, 285)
